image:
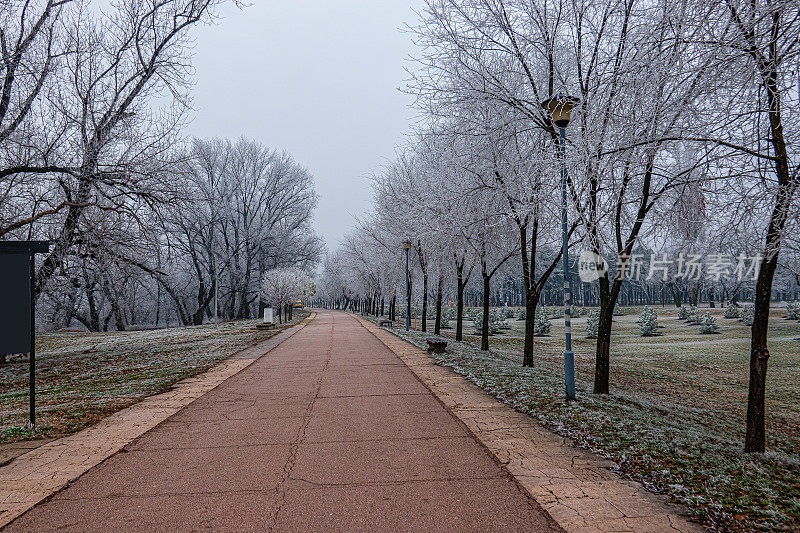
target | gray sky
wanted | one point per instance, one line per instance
(318, 78)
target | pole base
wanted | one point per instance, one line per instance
(569, 375)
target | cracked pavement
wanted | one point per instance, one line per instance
(329, 431)
(576, 487)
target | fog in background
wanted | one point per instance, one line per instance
(319, 79)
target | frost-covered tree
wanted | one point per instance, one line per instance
(281, 287)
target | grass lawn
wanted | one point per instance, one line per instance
(83, 377)
(675, 416)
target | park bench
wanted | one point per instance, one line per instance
(385, 322)
(436, 345)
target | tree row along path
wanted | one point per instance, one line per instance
(329, 431)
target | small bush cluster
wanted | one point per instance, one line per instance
(693, 316)
(748, 315)
(648, 322)
(593, 324)
(793, 311)
(506, 313)
(541, 323)
(731, 311)
(496, 322)
(708, 324)
(522, 313)
(683, 313)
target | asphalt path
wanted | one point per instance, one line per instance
(328, 431)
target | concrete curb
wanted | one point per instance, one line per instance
(40, 473)
(574, 486)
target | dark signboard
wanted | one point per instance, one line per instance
(15, 302)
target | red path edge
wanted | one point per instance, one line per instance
(329, 431)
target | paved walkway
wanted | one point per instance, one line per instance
(576, 487)
(329, 431)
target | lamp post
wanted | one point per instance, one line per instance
(407, 246)
(559, 108)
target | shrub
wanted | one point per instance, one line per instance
(708, 324)
(694, 316)
(477, 323)
(619, 311)
(522, 313)
(748, 315)
(450, 313)
(793, 311)
(495, 322)
(731, 311)
(541, 324)
(648, 322)
(506, 313)
(683, 313)
(593, 324)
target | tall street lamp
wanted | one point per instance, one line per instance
(559, 107)
(407, 246)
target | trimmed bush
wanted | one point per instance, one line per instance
(731, 311)
(541, 324)
(506, 313)
(793, 311)
(593, 324)
(495, 322)
(748, 315)
(648, 322)
(708, 324)
(522, 313)
(683, 313)
(694, 316)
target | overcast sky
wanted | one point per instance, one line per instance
(318, 78)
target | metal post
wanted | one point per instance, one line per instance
(408, 295)
(569, 357)
(32, 379)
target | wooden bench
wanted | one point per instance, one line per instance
(436, 345)
(385, 322)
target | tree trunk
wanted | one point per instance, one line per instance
(424, 301)
(460, 303)
(531, 302)
(485, 325)
(527, 281)
(608, 300)
(437, 328)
